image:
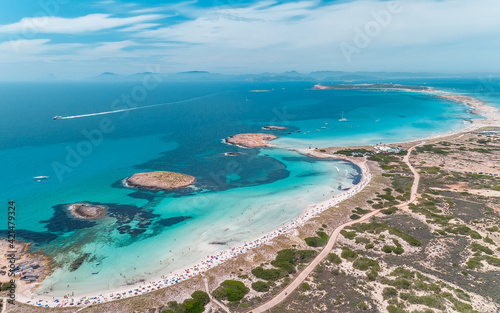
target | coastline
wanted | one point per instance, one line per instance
(492, 116)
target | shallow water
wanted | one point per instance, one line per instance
(236, 198)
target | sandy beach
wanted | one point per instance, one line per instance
(492, 118)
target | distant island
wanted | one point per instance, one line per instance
(87, 211)
(250, 140)
(274, 128)
(160, 180)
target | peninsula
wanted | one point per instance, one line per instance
(160, 180)
(373, 86)
(250, 140)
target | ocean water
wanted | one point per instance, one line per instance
(235, 199)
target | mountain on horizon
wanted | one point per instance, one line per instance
(317, 76)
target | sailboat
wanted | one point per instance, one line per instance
(343, 119)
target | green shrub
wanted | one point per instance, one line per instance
(314, 242)
(493, 229)
(477, 247)
(260, 286)
(266, 274)
(348, 234)
(429, 301)
(390, 210)
(232, 290)
(489, 240)
(319, 241)
(398, 250)
(463, 230)
(492, 260)
(287, 259)
(474, 263)
(332, 257)
(387, 249)
(364, 264)
(348, 254)
(305, 287)
(389, 292)
(195, 304)
(362, 240)
(201, 297)
(402, 272)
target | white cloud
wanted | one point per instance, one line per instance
(137, 27)
(61, 25)
(308, 34)
(427, 35)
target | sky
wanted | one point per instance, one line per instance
(68, 39)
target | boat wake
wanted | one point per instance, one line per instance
(134, 108)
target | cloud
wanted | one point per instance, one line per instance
(308, 34)
(137, 27)
(425, 35)
(83, 24)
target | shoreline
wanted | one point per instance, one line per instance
(490, 113)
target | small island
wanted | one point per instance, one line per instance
(274, 127)
(160, 180)
(87, 211)
(250, 140)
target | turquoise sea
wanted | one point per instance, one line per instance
(235, 199)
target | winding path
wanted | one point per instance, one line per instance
(299, 279)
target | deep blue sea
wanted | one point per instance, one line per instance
(235, 198)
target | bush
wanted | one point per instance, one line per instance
(362, 240)
(266, 274)
(5, 286)
(398, 250)
(387, 249)
(402, 272)
(232, 290)
(305, 286)
(287, 259)
(364, 264)
(196, 304)
(260, 286)
(474, 263)
(354, 216)
(319, 241)
(201, 297)
(477, 247)
(348, 234)
(332, 257)
(430, 301)
(348, 254)
(492, 261)
(390, 210)
(389, 292)
(463, 230)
